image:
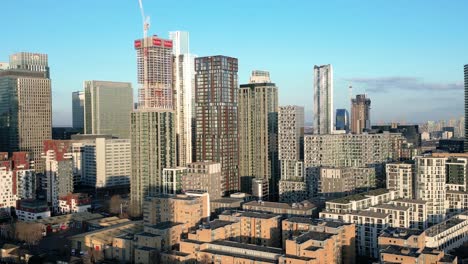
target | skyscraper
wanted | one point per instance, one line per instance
(216, 91)
(258, 132)
(342, 120)
(184, 75)
(26, 105)
(78, 110)
(466, 107)
(292, 186)
(323, 99)
(107, 108)
(360, 114)
(153, 137)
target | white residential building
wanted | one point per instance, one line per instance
(430, 186)
(184, 96)
(400, 178)
(7, 198)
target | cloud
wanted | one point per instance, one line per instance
(387, 84)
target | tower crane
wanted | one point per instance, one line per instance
(145, 20)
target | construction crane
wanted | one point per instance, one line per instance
(145, 19)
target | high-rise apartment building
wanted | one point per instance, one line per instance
(342, 181)
(26, 105)
(204, 176)
(429, 184)
(58, 179)
(258, 132)
(348, 150)
(323, 99)
(106, 163)
(360, 114)
(466, 107)
(184, 74)
(292, 186)
(107, 108)
(456, 169)
(153, 149)
(342, 120)
(216, 98)
(78, 110)
(153, 136)
(400, 178)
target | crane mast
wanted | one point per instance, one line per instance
(145, 20)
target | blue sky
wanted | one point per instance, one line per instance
(407, 55)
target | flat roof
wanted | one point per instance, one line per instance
(108, 221)
(305, 205)
(392, 207)
(312, 235)
(403, 233)
(406, 200)
(442, 226)
(228, 243)
(259, 215)
(349, 198)
(403, 251)
(106, 235)
(85, 216)
(244, 256)
(164, 225)
(377, 192)
(228, 200)
(370, 214)
(215, 224)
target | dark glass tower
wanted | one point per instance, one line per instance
(342, 120)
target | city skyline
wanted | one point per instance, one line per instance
(384, 59)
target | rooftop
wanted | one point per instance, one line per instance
(377, 192)
(242, 256)
(349, 198)
(305, 205)
(147, 234)
(441, 227)
(164, 225)
(106, 235)
(215, 224)
(312, 235)
(392, 207)
(403, 233)
(79, 217)
(403, 251)
(301, 220)
(405, 200)
(259, 215)
(108, 221)
(370, 214)
(227, 200)
(228, 243)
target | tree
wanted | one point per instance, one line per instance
(31, 233)
(115, 203)
(7, 231)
